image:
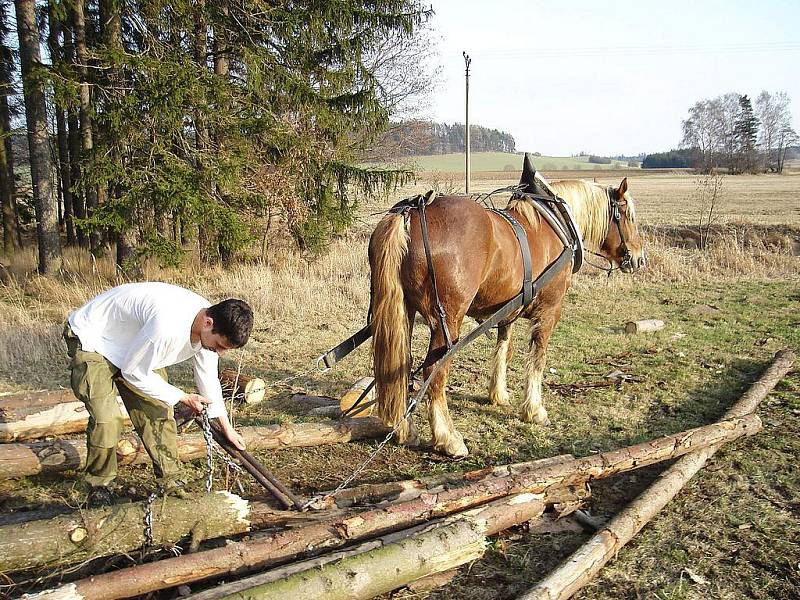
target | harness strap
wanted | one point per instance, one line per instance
(527, 280)
(440, 313)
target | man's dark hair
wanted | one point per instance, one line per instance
(233, 319)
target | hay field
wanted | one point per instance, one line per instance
(728, 310)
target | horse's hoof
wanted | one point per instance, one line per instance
(453, 447)
(500, 399)
(539, 417)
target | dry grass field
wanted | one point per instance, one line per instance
(733, 532)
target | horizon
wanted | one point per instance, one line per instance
(609, 95)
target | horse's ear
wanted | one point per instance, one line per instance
(528, 174)
(623, 187)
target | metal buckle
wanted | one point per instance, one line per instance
(323, 360)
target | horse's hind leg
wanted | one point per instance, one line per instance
(498, 389)
(542, 326)
(446, 438)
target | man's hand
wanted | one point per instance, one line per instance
(235, 438)
(196, 402)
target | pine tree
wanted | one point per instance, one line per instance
(746, 132)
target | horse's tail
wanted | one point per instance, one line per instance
(391, 344)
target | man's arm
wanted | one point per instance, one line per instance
(206, 377)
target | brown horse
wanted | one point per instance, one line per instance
(478, 267)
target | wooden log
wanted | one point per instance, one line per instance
(32, 458)
(587, 561)
(352, 395)
(43, 419)
(100, 532)
(548, 482)
(441, 548)
(78, 535)
(645, 326)
(246, 388)
(37, 398)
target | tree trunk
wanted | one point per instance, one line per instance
(56, 57)
(74, 142)
(86, 134)
(24, 459)
(7, 185)
(89, 534)
(587, 561)
(44, 197)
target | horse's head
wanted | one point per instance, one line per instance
(623, 246)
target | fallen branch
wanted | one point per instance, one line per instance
(587, 561)
(32, 458)
(548, 482)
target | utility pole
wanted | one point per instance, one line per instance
(467, 61)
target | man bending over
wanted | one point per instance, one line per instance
(121, 341)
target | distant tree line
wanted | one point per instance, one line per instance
(730, 132)
(189, 127)
(419, 137)
(674, 159)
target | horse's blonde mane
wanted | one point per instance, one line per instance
(589, 203)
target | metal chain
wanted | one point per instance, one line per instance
(318, 498)
(209, 439)
(148, 519)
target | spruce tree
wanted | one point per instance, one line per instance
(746, 132)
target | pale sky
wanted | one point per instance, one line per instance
(614, 77)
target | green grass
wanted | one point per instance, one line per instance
(501, 161)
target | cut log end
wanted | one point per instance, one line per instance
(645, 326)
(250, 390)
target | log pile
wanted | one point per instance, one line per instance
(372, 539)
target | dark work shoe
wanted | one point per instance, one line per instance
(100, 496)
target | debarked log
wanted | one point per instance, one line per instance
(587, 561)
(32, 458)
(100, 532)
(42, 419)
(281, 547)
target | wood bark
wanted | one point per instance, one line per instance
(587, 561)
(24, 459)
(86, 133)
(546, 482)
(100, 532)
(74, 140)
(7, 185)
(56, 57)
(29, 423)
(44, 198)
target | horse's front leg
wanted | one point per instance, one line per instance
(446, 438)
(498, 388)
(532, 410)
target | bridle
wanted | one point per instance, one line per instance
(616, 216)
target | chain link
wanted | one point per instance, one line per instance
(209, 439)
(148, 519)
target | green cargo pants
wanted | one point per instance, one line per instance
(95, 382)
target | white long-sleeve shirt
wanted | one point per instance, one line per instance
(141, 327)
